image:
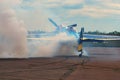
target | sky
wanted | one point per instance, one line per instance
(101, 15)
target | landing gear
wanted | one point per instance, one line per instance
(80, 55)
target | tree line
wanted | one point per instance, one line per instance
(115, 33)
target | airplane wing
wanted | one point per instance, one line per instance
(54, 23)
(101, 37)
(92, 38)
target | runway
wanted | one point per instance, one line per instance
(63, 68)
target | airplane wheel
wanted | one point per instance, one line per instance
(80, 55)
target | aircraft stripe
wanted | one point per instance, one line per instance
(79, 47)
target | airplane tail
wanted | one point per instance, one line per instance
(80, 40)
(73, 25)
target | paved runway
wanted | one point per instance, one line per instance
(62, 68)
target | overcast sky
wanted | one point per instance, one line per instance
(102, 15)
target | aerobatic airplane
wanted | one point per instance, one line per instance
(80, 36)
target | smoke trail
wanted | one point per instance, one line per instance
(13, 42)
(12, 34)
(60, 44)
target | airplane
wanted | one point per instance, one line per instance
(68, 29)
(81, 37)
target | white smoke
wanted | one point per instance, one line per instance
(12, 33)
(13, 42)
(60, 44)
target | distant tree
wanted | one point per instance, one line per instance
(114, 33)
(103, 33)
